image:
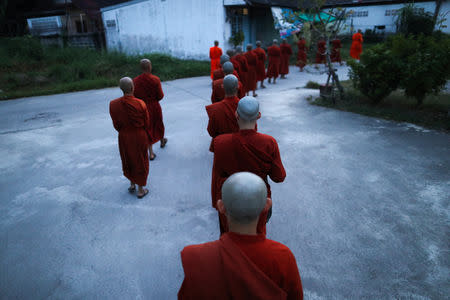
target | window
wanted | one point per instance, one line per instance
(359, 14)
(391, 12)
(111, 23)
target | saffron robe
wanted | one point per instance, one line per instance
(273, 69)
(240, 266)
(301, 55)
(251, 76)
(260, 64)
(222, 118)
(243, 70)
(356, 47)
(335, 55)
(245, 151)
(286, 52)
(218, 74)
(218, 91)
(320, 54)
(214, 54)
(131, 119)
(148, 88)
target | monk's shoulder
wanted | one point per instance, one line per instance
(265, 137)
(155, 78)
(218, 83)
(213, 109)
(278, 249)
(222, 140)
(199, 252)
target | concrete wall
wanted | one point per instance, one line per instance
(377, 16)
(185, 29)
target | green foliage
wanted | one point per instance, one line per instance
(371, 36)
(413, 20)
(312, 85)
(425, 64)
(377, 75)
(27, 68)
(237, 38)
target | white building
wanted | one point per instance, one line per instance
(187, 28)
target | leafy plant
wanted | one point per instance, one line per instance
(237, 38)
(414, 20)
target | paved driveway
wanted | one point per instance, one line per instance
(364, 207)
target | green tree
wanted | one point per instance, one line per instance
(414, 20)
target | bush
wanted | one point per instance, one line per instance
(377, 75)
(312, 85)
(425, 64)
(413, 20)
(25, 47)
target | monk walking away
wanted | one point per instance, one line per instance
(321, 51)
(148, 88)
(302, 54)
(260, 64)
(251, 76)
(214, 54)
(286, 52)
(356, 47)
(243, 67)
(335, 55)
(245, 150)
(273, 69)
(131, 119)
(218, 91)
(242, 264)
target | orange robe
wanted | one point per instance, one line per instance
(356, 47)
(218, 74)
(218, 91)
(301, 55)
(214, 54)
(243, 70)
(286, 52)
(245, 151)
(130, 118)
(148, 88)
(320, 54)
(260, 64)
(251, 75)
(273, 69)
(335, 55)
(222, 118)
(240, 266)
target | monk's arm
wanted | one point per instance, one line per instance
(115, 123)
(295, 289)
(160, 93)
(277, 172)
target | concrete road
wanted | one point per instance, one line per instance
(364, 207)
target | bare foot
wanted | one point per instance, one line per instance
(142, 194)
(163, 142)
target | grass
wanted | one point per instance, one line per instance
(28, 69)
(432, 114)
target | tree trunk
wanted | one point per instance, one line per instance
(332, 72)
(436, 11)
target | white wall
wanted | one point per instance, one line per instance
(184, 29)
(376, 16)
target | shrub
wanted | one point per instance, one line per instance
(377, 74)
(414, 20)
(425, 64)
(312, 85)
(25, 47)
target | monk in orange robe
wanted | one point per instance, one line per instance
(242, 264)
(219, 73)
(335, 55)
(218, 91)
(273, 69)
(221, 114)
(246, 150)
(251, 75)
(321, 52)
(131, 119)
(301, 55)
(243, 67)
(286, 52)
(214, 54)
(356, 47)
(148, 88)
(260, 64)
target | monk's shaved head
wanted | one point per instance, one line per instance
(248, 108)
(249, 47)
(230, 52)
(146, 65)
(228, 68)
(258, 43)
(244, 196)
(230, 85)
(126, 85)
(224, 58)
(216, 43)
(275, 41)
(284, 41)
(238, 49)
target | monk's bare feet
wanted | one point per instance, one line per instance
(163, 142)
(152, 156)
(274, 81)
(268, 81)
(255, 95)
(132, 188)
(283, 77)
(263, 86)
(142, 192)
